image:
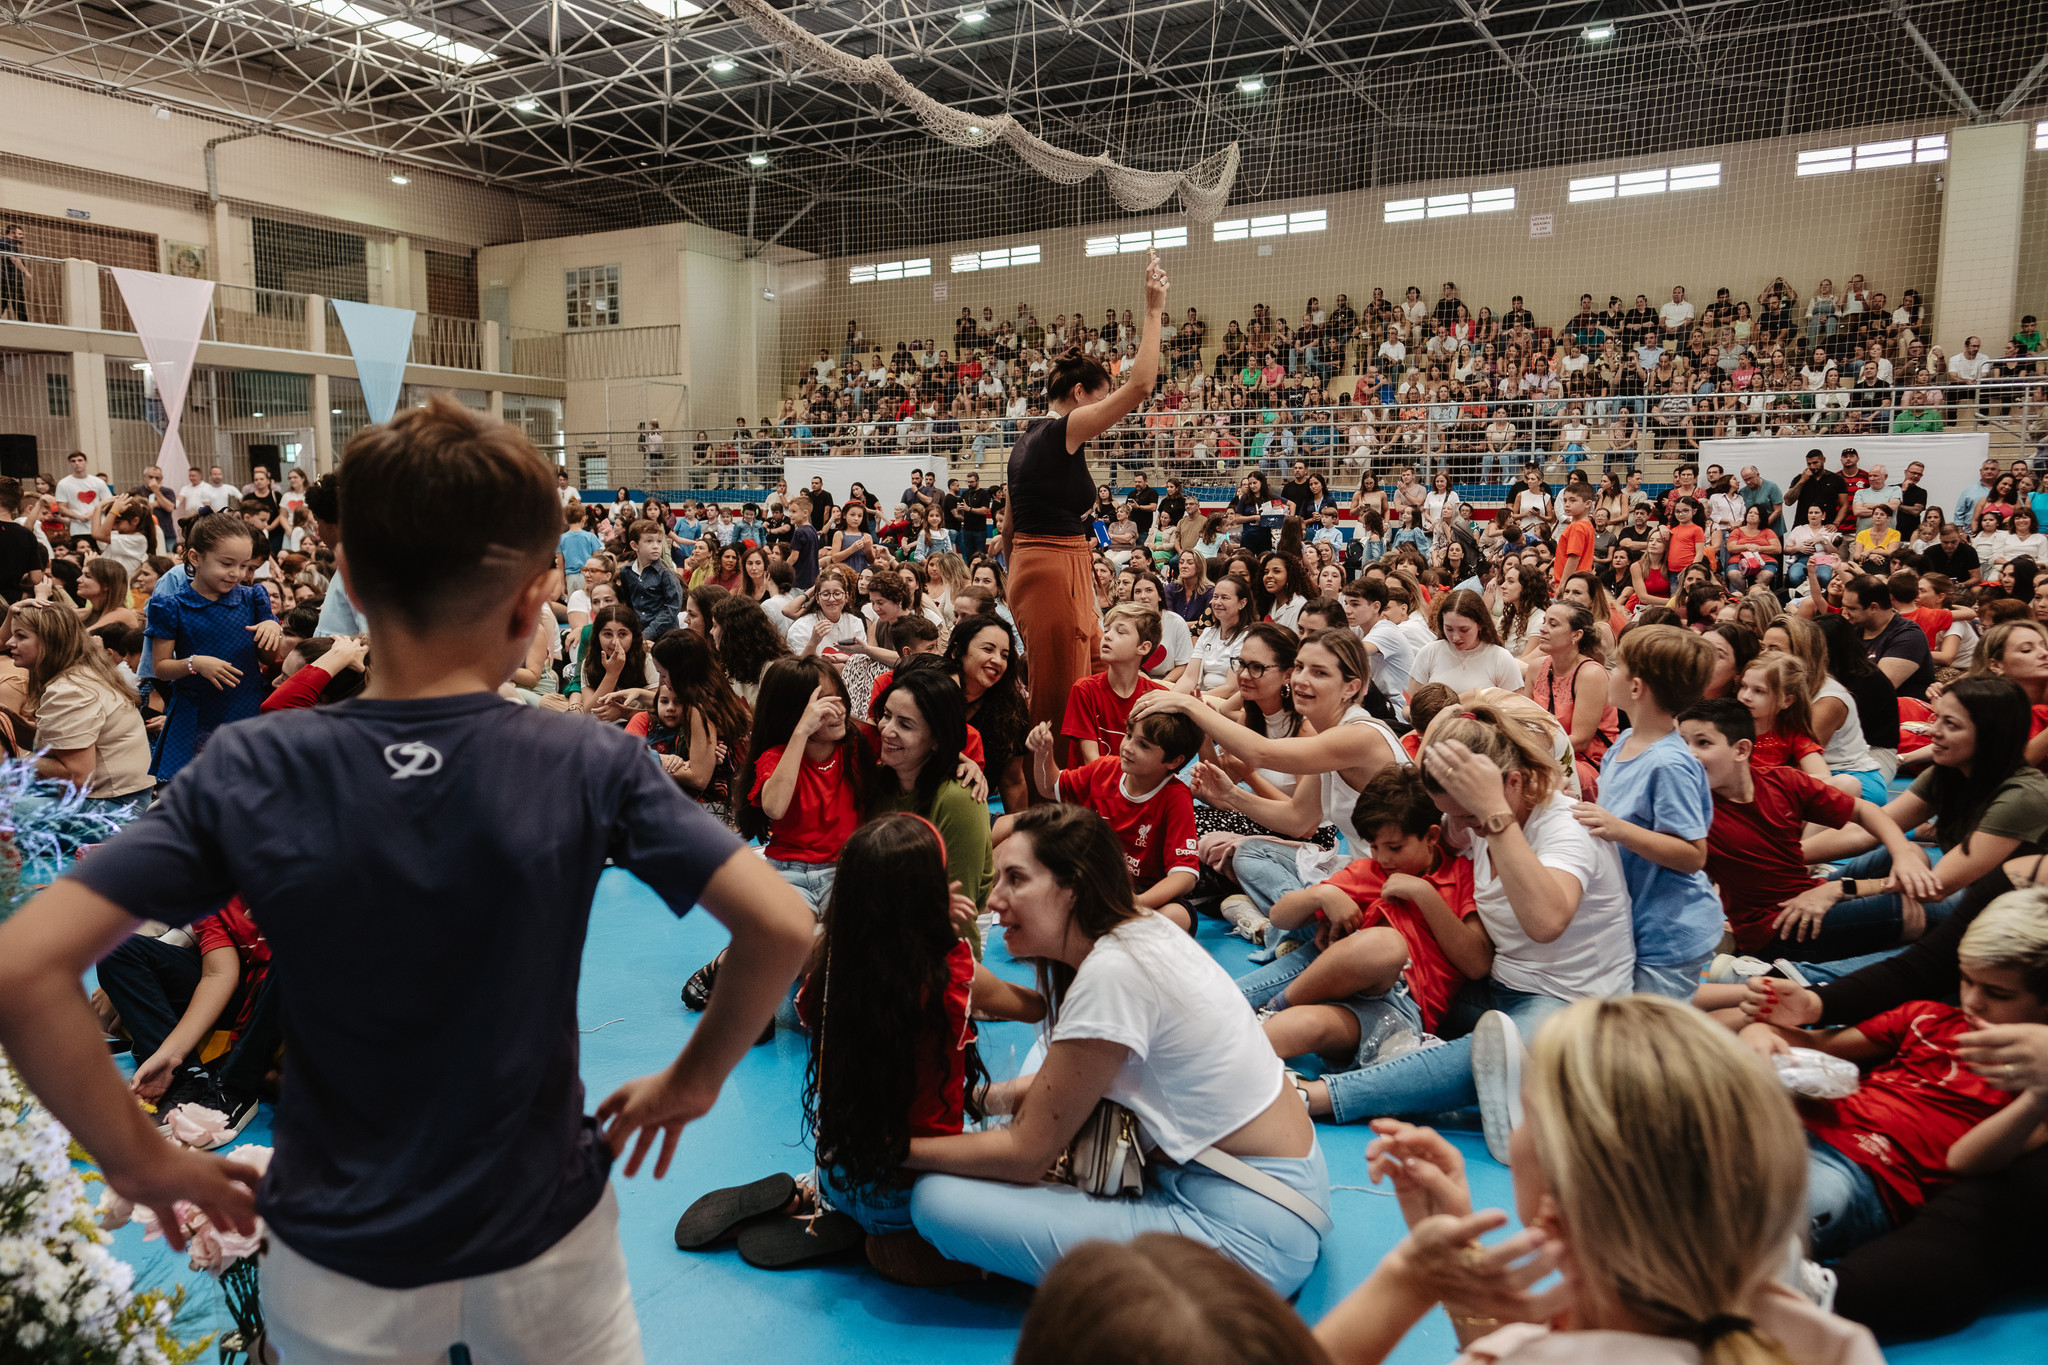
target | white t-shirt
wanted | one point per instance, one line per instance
(1486, 666)
(850, 629)
(1596, 954)
(774, 605)
(128, 549)
(1178, 642)
(1214, 654)
(1394, 653)
(1966, 653)
(1287, 613)
(220, 497)
(87, 492)
(1200, 1067)
(1675, 315)
(192, 499)
(1846, 751)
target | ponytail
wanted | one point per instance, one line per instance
(1074, 371)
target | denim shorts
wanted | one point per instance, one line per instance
(1381, 1016)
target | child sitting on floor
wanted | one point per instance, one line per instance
(1774, 689)
(1151, 811)
(1423, 707)
(1876, 1155)
(1098, 711)
(1395, 937)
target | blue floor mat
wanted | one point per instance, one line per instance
(698, 1306)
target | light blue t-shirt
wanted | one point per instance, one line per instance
(577, 547)
(1677, 915)
(174, 579)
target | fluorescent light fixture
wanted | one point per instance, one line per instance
(526, 106)
(973, 131)
(1599, 33)
(334, 412)
(758, 159)
(673, 9)
(1252, 85)
(139, 365)
(400, 178)
(724, 64)
(375, 22)
(255, 414)
(973, 15)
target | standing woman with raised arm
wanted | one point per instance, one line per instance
(1046, 539)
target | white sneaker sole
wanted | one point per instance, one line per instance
(1497, 1076)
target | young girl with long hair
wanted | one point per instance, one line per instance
(1281, 590)
(1467, 654)
(1834, 713)
(825, 620)
(208, 641)
(1774, 691)
(86, 718)
(711, 721)
(747, 643)
(614, 658)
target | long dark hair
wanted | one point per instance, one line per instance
(1005, 701)
(1081, 852)
(635, 671)
(1298, 584)
(747, 640)
(1999, 711)
(786, 690)
(944, 708)
(1848, 659)
(884, 969)
(702, 687)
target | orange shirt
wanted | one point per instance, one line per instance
(1685, 547)
(1575, 539)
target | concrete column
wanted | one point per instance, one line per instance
(1976, 282)
(323, 425)
(496, 405)
(316, 324)
(82, 296)
(401, 273)
(228, 261)
(90, 413)
(493, 347)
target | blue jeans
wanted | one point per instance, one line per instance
(1797, 573)
(1022, 1230)
(1506, 461)
(1265, 869)
(879, 1209)
(1379, 1016)
(1438, 1079)
(813, 881)
(1676, 983)
(1842, 1205)
(1868, 924)
(1573, 453)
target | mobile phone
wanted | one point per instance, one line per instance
(1792, 973)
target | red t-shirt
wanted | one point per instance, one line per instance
(1753, 847)
(1431, 978)
(1931, 620)
(822, 813)
(231, 927)
(1095, 711)
(936, 1107)
(1157, 830)
(1911, 1109)
(1575, 539)
(1684, 547)
(1776, 749)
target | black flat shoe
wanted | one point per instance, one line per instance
(719, 1212)
(697, 990)
(778, 1243)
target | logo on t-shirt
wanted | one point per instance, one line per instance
(412, 759)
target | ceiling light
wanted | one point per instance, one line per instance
(526, 106)
(335, 412)
(255, 414)
(724, 64)
(139, 365)
(369, 20)
(1599, 33)
(758, 159)
(973, 131)
(974, 15)
(673, 9)
(400, 178)
(1252, 85)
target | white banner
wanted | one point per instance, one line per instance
(380, 339)
(885, 476)
(170, 314)
(1952, 460)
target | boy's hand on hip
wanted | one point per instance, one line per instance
(662, 1104)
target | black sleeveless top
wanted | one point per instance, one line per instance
(1051, 491)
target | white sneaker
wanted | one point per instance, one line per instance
(1810, 1279)
(1497, 1075)
(1244, 918)
(1729, 970)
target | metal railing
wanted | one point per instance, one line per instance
(257, 317)
(527, 350)
(33, 291)
(624, 352)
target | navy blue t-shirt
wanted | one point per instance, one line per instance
(423, 871)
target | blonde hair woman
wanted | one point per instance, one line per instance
(85, 712)
(1659, 1167)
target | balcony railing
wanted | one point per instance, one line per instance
(257, 317)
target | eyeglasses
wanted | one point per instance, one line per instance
(1254, 671)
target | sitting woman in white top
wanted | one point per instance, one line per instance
(1551, 898)
(1467, 654)
(1663, 1167)
(1346, 747)
(1139, 1015)
(86, 719)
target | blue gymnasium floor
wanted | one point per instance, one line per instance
(714, 1307)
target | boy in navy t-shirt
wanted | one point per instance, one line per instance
(435, 1175)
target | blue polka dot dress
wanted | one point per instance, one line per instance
(219, 628)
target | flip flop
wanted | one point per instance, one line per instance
(778, 1243)
(718, 1213)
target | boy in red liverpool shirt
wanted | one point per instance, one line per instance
(1397, 935)
(1922, 1114)
(1774, 905)
(1099, 706)
(1135, 790)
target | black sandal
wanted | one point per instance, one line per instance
(697, 990)
(718, 1213)
(778, 1243)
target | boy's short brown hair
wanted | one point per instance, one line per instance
(1674, 663)
(406, 558)
(1143, 619)
(1175, 736)
(1394, 796)
(644, 527)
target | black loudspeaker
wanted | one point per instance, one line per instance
(18, 457)
(266, 457)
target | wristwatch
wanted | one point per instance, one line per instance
(1496, 823)
(1848, 888)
